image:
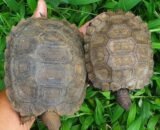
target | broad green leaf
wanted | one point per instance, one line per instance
(82, 119)
(110, 4)
(83, 20)
(90, 93)
(106, 94)
(145, 111)
(154, 23)
(22, 10)
(157, 101)
(127, 4)
(76, 127)
(132, 114)
(139, 92)
(84, 108)
(117, 112)
(66, 125)
(156, 45)
(150, 8)
(1, 2)
(152, 122)
(5, 20)
(98, 115)
(136, 124)
(82, 2)
(157, 79)
(87, 122)
(54, 3)
(32, 4)
(65, 1)
(116, 126)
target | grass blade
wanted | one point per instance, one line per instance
(87, 122)
(82, 2)
(136, 124)
(132, 114)
(154, 23)
(117, 112)
(99, 118)
(32, 4)
(12, 4)
(152, 122)
(156, 45)
(127, 4)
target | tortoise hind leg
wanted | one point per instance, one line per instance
(51, 120)
(25, 119)
(123, 98)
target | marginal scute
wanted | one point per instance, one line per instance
(141, 36)
(97, 41)
(129, 15)
(103, 17)
(44, 62)
(103, 74)
(105, 86)
(90, 30)
(134, 23)
(120, 52)
(142, 52)
(96, 22)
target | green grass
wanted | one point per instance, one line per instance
(99, 110)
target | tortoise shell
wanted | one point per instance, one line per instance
(45, 69)
(118, 51)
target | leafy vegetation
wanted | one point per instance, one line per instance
(99, 110)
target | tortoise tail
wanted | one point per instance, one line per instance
(123, 98)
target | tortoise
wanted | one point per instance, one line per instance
(45, 70)
(118, 54)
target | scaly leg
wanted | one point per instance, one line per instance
(123, 98)
(25, 119)
(51, 120)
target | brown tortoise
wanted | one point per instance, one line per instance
(45, 69)
(118, 53)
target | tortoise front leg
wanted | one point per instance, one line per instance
(51, 120)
